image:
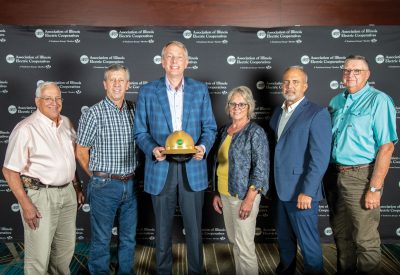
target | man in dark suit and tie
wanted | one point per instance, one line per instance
(170, 104)
(303, 134)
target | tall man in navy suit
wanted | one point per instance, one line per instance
(169, 104)
(303, 133)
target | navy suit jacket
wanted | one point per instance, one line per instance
(153, 124)
(302, 153)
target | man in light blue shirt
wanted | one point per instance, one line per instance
(364, 133)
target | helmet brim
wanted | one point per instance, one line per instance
(179, 151)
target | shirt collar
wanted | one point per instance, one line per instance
(112, 104)
(357, 94)
(172, 89)
(292, 107)
(47, 120)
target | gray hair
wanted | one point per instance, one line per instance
(357, 57)
(42, 86)
(116, 67)
(178, 44)
(247, 95)
(297, 67)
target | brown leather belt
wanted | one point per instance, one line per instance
(113, 176)
(342, 168)
(35, 184)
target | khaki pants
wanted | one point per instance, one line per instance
(49, 248)
(355, 228)
(241, 234)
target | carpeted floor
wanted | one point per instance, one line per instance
(218, 259)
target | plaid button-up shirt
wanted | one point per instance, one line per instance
(108, 131)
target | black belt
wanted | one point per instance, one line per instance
(113, 176)
(342, 168)
(35, 184)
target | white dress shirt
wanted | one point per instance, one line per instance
(286, 114)
(175, 98)
(39, 149)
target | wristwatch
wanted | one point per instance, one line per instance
(374, 189)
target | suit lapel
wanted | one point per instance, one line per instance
(297, 112)
(188, 98)
(164, 103)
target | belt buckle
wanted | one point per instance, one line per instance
(29, 183)
(125, 177)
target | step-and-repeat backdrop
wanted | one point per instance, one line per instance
(224, 57)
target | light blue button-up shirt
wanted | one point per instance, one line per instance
(361, 122)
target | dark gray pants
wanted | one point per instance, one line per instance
(191, 205)
(355, 228)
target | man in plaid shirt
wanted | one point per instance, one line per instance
(106, 152)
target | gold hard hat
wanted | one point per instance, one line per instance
(179, 142)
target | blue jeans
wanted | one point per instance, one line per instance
(109, 198)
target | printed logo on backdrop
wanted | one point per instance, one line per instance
(193, 63)
(323, 61)
(15, 207)
(392, 61)
(337, 86)
(86, 208)
(264, 211)
(102, 61)
(3, 184)
(3, 36)
(30, 61)
(397, 112)
(157, 59)
(80, 233)
(6, 233)
(135, 85)
(334, 84)
(216, 36)
(390, 211)
(144, 233)
(3, 87)
(328, 231)
(262, 113)
(323, 210)
(213, 234)
(217, 87)
(272, 87)
(356, 35)
(250, 62)
(67, 87)
(266, 234)
(291, 36)
(84, 109)
(395, 161)
(4, 136)
(24, 111)
(142, 36)
(59, 35)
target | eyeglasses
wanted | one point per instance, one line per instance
(355, 71)
(241, 105)
(49, 99)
